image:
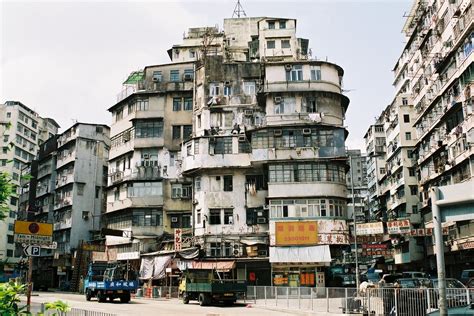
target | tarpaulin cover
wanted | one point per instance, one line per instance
(154, 267)
(312, 254)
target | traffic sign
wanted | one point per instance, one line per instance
(33, 233)
(32, 251)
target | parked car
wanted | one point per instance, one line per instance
(414, 283)
(389, 280)
(415, 274)
(456, 292)
(466, 275)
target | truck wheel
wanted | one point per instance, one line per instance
(125, 298)
(203, 301)
(88, 295)
(185, 298)
(101, 297)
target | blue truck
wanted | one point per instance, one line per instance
(110, 282)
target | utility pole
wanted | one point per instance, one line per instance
(355, 225)
(30, 286)
(439, 251)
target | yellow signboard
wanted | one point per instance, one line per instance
(33, 228)
(296, 233)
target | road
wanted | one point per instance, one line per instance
(150, 307)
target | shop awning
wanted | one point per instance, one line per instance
(444, 225)
(220, 266)
(312, 254)
(154, 267)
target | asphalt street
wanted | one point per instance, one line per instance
(151, 306)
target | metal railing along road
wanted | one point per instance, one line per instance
(372, 301)
(75, 312)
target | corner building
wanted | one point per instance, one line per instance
(267, 155)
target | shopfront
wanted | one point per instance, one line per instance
(299, 266)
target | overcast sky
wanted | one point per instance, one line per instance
(68, 59)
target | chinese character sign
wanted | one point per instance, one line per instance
(370, 228)
(296, 233)
(177, 239)
(398, 227)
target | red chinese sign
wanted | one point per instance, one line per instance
(177, 239)
(296, 233)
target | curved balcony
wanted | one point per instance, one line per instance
(305, 189)
(306, 85)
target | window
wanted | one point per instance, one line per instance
(192, 54)
(197, 184)
(414, 209)
(249, 87)
(119, 115)
(176, 132)
(199, 121)
(223, 145)
(315, 72)
(5, 150)
(410, 153)
(405, 102)
(13, 200)
(148, 129)
(311, 105)
(157, 76)
(228, 216)
(143, 189)
(270, 44)
(244, 147)
(5, 138)
(3, 162)
(196, 146)
(11, 226)
(215, 249)
(296, 73)
(188, 104)
(9, 253)
(228, 183)
(141, 105)
(9, 115)
(271, 25)
(411, 172)
(198, 216)
(147, 217)
(176, 190)
(97, 192)
(406, 118)
(214, 89)
(10, 239)
(174, 75)
(176, 104)
(285, 44)
(227, 90)
(12, 214)
(187, 131)
(34, 124)
(283, 24)
(117, 194)
(188, 73)
(413, 190)
(408, 136)
(255, 182)
(215, 217)
(80, 188)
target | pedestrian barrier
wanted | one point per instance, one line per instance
(373, 301)
(75, 312)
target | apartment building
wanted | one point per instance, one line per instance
(438, 60)
(147, 196)
(358, 175)
(267, 156)
(67, 189)
(22, 130)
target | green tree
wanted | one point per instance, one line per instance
(6, 191)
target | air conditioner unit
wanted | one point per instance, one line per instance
(174, 219)
(85, 215)
(242, 138)
(266, 207)
(288, 67)
(262, 253)
(126, 136)
(226, 83)
(277, 132)
(306, 131)
(146, 156)
(277, 100)
(261, 220)
(248, 112)
(188, 77)
(237, 252)
(231, 220)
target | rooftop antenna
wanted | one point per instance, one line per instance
(239, 10)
